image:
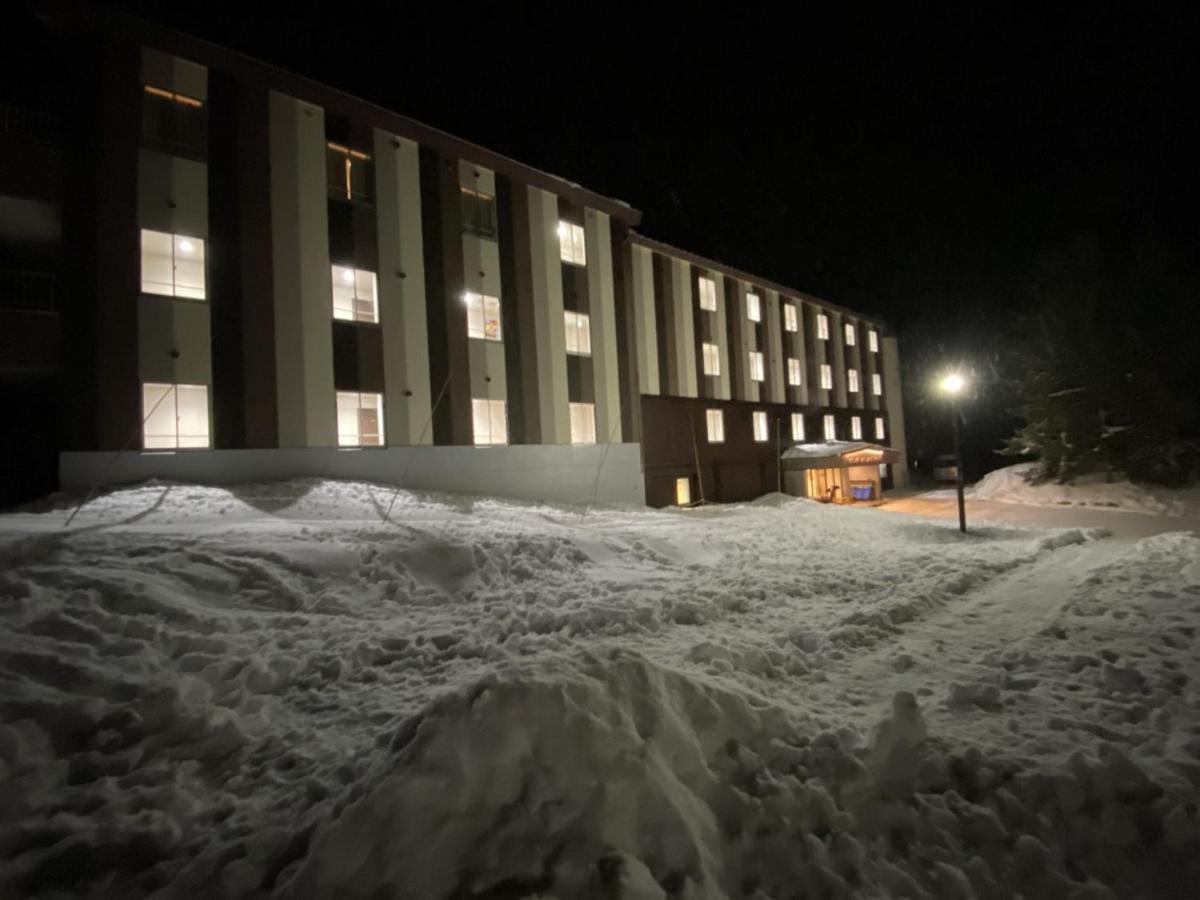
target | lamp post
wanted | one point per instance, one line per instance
(952, 386)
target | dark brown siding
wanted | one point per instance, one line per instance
(627, 370)
(664, 316)
(514, 285)
(240, 276)
(734, 331)
(520, 358)
(441, 229)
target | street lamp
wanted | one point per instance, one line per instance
(952, 385)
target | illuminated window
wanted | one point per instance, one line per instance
(759, 419)
(711, 354)
(879, 435)
(172, 123)
(174, 416)
(883, 470)
(351, 175)
(850, 335)
(359, 419)
(683, 491)
(822, 326)
(852, 380)
(877, 384)
(826, 377)
(478, 213)
(830, 428)
(855, 428)
(172, 265)
(797, 426)
(753, 308)
(873, 340)
(354, 298)
(583, 423)
(708, 294)
(790, 320)
(571, 247)
(715, 420)
(483, 317)
(793, 371)
(490, 419)
(757, 372)
(579, 333)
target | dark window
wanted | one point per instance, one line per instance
(351, 174)
(172, 122)
(479, 213)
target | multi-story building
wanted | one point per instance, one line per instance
(268, 277)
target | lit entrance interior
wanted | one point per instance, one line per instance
(683, 491)
(836, 471)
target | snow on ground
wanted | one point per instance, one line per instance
(1010, 486)
(272, 691)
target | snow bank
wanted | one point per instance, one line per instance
(269, 691)
(1010, 485)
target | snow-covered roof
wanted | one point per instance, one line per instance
(839, 453)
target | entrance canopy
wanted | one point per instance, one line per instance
(837, 455)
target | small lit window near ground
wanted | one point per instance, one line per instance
(753, 307)
(583, 423)
(877, 384)
(850, 337)
(172, 265)
(350, 173)
(759, 419)
(174, 416)
(490, 421)
(879, 434)
(855, 428)
(712, 359)
(826, 377)
(830, 428)
(483, 316)
(852, 380)
(757, 372)
(708, 294)
(873, 341)
(172, 122)
(354, 298)
(790, 320)
(478, 213)
(579, 333)
(822, 326)
(359, 419)
(571, 247)
(714, 419)
(683, 491)
(794, 372)
(797, 426)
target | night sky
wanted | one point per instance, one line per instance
(915, 166)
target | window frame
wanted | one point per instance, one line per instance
(850, 334)
(358, 277)
(590, 408)
(758, 366)
(753, 307)
(873, 341)
(714, 417)
(574, 251)
(175, 240)
(703, 282)
(829, 427)
(797, 418)
(356, 441)
(795, 372)
(710, 352)
(174, 145)
(856, 432)
(876, 384)
(492, 406)
(822, 327)
(852, 382)
(758, 418)
(880, 429)
(148, 416)
(582, 327)
(477, 201)
(345, 190)
(826, 373)
(791, 318)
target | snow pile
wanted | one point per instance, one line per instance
(270, 691)
(1011, 485)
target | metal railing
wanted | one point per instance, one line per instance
(27, 290)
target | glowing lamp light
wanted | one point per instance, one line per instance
(347, 275)
(562, 229)
(186, 246)
(953, 384)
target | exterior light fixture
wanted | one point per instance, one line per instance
(186, 246)
(952, 385)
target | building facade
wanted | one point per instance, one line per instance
(271, 278)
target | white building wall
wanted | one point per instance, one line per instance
(645, 334)
(549, 331)
(603, 319)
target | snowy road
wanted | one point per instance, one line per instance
(270, 691)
